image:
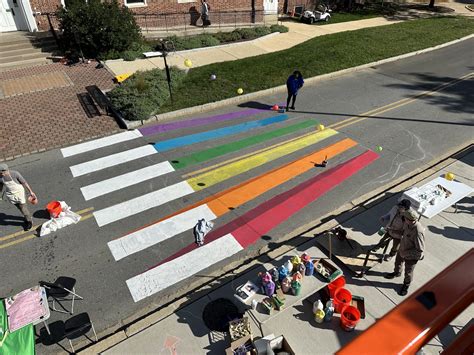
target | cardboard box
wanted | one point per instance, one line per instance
(237, 343)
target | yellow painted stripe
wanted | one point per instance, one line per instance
(225, 172)
(31, 235)
(396, 104)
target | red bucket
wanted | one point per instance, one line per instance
(350, 316)
(342, 298)
(337, 283)
(54, 208)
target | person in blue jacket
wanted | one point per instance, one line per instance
(293, 84)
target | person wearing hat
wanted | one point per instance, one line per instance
(412, 247)
(393, 223)
(12, 188)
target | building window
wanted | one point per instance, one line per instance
(135, 3)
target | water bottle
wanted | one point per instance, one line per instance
(329, 311)
(381, 231)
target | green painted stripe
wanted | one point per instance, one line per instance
(214, 152)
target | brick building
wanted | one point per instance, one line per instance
(30, 15)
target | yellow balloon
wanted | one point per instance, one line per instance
(321, 127)
(188, 63)
(449, 176)
(240, 91)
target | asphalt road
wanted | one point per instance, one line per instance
(421, 107)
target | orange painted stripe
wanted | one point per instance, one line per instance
(221, 202)
(247, 191)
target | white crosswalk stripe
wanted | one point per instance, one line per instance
(122, 181)
(100, 143)
(112, 160)
(179, 269)
(142, 203)
(159, 232)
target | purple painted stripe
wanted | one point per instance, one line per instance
(165, 127)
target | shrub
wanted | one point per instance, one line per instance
(247, 33)
(235, 36)
(129, 55)
(209, 41)
(97, 28)
(278, 28)
(144, 93)
(262, 31)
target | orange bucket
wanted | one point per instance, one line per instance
(54, 208)
(350, 316)
(337, 283)
(342, 298)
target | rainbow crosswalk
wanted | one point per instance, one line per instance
(249, 148)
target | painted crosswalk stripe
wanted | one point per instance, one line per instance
(243, 231)
(125, 180)
(142, 203)
(195, 122)
(220, 204)
(100, 143)
(112, 160)
(154, 199)
(159, 232)
(182, 141)
(149, 283)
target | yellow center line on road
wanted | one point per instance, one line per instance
(396, 104)
(30, 234)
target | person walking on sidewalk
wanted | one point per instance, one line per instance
(12, 187)
(393, 223)
(293, 84)
(412, 247)
(205, 13)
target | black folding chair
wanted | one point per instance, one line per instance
(60, 290)
(78, 326)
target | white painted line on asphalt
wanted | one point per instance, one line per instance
(184, 266)
(100, 143)
(112, 160)
(121, 181)
(158, 232)
(142, 203)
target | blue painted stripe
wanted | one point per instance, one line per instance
(216, 133)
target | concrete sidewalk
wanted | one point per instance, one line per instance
(298, 33)
(448, 236)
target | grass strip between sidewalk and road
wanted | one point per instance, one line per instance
(314, 57)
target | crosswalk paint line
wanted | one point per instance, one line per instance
(220, 204)
(100, 143)
(195, 122)
(159, 232)
(227, 171)
(142, 203)
(216, 133)
(125, 180)
(112, 160)
(250, 227)
(166, 275)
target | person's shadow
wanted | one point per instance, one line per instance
(8, 220)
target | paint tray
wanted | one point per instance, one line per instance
(359, 303)
(330, 271)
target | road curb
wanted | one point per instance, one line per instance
(298, 237)
(282, 88)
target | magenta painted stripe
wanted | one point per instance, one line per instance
(171, 126)
(248, 228)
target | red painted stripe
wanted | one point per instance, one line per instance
(248, 228)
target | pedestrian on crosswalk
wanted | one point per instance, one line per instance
(293, 84)
(412, 247)
(12, 188)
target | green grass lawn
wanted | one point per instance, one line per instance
(317, 56)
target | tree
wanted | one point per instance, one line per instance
(97, 28)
